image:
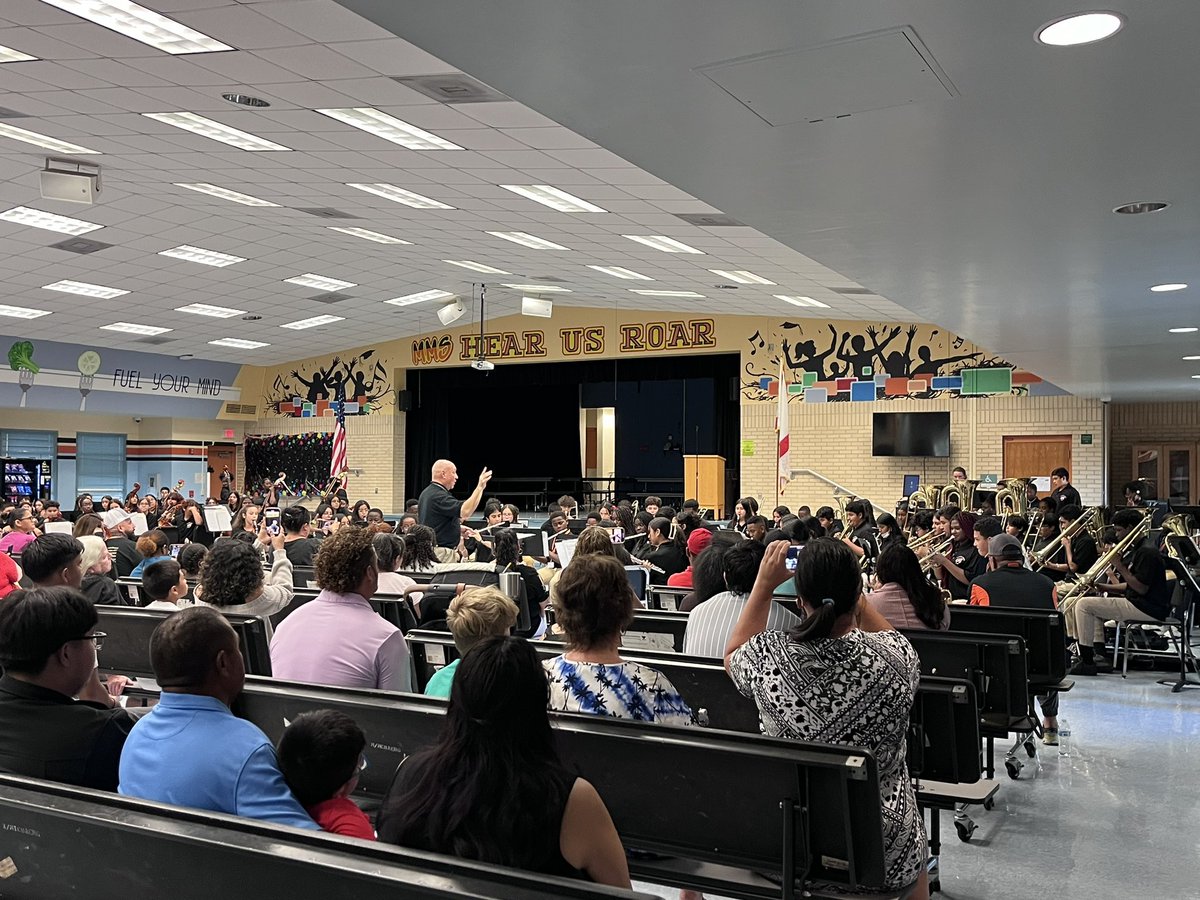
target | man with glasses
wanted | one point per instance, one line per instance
(54, 560)
(48, 647)
(23, 529)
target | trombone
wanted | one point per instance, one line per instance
(1087, 582)
(1039, 558)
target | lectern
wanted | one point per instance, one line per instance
(704, 479)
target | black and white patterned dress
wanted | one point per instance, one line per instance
(856, 689)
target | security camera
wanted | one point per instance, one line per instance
(137, 420)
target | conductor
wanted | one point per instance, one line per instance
(438, 509)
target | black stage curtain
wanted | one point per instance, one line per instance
(522, 419)
(304, 457)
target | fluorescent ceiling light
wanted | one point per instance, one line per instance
(410, 299)
(741, 276)
(476, 267)
(389, 128)
(141, 24)
(531, 241)
(801, 301)
(1080, 28)
(1196, 376)
(533, 306)
(216, 131)
(215, 312)
(134, 328)
(553, 198)
(1182, 330)
(42, 140)
(451, 312)
(661, 242)
(367, 235)
(84, 289)
(239, 344)
(1167, 288)
(320, 282)
(666, 293)
(7, 54)
(400, 195)
(539, 288)
(202, 256)
(22, 312)
(35, 218)
(313, 322)
(1191, 358)
(622, 272)
(225, 194)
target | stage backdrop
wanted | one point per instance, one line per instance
(304, 458)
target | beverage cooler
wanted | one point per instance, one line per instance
(26, 480)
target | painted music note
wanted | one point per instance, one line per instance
(761, 343)
(958, 342)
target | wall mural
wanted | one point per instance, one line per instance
(824, 364)
(308, 390)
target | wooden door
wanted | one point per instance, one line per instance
(219, 456)
(1036, 456)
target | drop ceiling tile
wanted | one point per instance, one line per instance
(245, 67)
(314, 62)
(241, 27)
(181, 70)
(12, 81)
(507, 114)
(31, 12)
(99, 40)
(310, 94)
(123, 98)
(393, 56)
(322, 20)
(556, 138)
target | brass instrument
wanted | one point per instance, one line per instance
(1031, 533)
(1174, 524)
(1087, 582)
(953, 494)
(1039, 558)
(333, 484)
(1011, 498)
(941, 544)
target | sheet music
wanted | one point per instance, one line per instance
(140, 525)
(218, 518)
(58, 527)
(566, 552)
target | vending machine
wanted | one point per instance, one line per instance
(26, 480)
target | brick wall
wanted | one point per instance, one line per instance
(834, 439)
(1146, 423)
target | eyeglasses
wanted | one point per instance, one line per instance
(96, 637)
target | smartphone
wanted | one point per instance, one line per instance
(793, 554)
(175, 548)
(617, 534)
(271, 520)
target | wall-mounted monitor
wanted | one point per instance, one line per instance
(911, 434)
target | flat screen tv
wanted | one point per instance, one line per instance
(911, 434)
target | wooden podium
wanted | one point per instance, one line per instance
(704, 479)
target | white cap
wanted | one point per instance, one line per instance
(114, 517)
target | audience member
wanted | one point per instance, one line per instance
(96, 564)
(190, 558)
(475, 614)
(48, 646)
(231, 579)
(10, 575)
(54, 559)
(297, 545)
(708, 572)
(594, 605)
(154, 546)
(389, 551)
(697, 542)
(320, 755)
(905, 597)
(191, 750)
(493, 788)
(88, 523)
(118, 533)
(163, 583)
(337, 638)
(22, 530)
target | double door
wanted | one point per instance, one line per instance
(1169, 471)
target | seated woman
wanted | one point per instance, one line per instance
(88, 523)
(419, 549)
(594, 604)
(842, 676)
(493, 788)
(97, 586)
(154, 546)
(508, 559)
(231, 579)
(389, 552)
(905, 597)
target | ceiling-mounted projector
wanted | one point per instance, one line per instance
(482, 365)
(69, 181)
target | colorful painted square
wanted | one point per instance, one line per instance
(917, 385)
(808, 379)
(986, 381)
(794, 389)
(773, 388)
(816, 395)
(895, 387)
(829, 387)
(352, 409)
(322, 407)
(867, 372)
(947, 382)
(881, 380)
(1026, 378)
(843, 384)
(765, 382)
(862, 391)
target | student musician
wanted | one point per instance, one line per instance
(958, 567)
(830, 526)
(1055, 567)
(860, 532)
(1078, 554)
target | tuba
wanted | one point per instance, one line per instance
(1087, 582)
(1010, 498)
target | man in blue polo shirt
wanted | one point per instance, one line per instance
(191, 750)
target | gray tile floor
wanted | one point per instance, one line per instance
(1118, 818)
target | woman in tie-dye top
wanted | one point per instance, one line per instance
(594, 604)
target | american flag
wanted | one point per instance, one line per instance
(338, 461)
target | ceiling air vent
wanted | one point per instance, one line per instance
(453, 87)
(80, 245)
(331, 297)
(240, 409)
(710, 220)
(156, 339)
(325, 212)
(853, 291)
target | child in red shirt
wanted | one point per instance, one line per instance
(320, 755)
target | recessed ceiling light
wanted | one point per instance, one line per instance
(225, 194)
(245, 100)
(42, 140)
(661, 242)
(666, 293)
(7, 55)
(476, 267)
(531, 241)
(22, 312)
(202, 256)
(622, 272)
(741, 276)
(313, 322)
(35, 218)
(410, 299)
(239, 343)
(216, 131)
(389, 128)
(127, 18)
(85, 290)
(539, 288)
(1188, 330)
(205, 309)
(134, 328)
(1191, 358)
(367, 235)
(1142, 206)
(1080, 28)
(801, 301)
(1167, 288)
(400, 195)
(553, 198)
(320, 282)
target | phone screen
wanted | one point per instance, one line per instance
(617, 534)
(271, 519)
(793, 554)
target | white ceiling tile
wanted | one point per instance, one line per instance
(32, 12)
(72, 100)
(322, 20)
(112, 72)
(35, 43)
(555, 138)
(178, 70)
(98, 39)
(13, 82)
(245, 67)
(316, 62)
(241, 27)
(310, 94)
(393, 56)
(507, 114)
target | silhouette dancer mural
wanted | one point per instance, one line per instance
(309, 389)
